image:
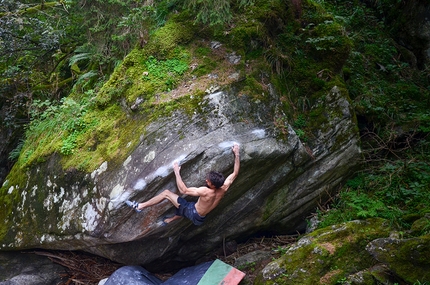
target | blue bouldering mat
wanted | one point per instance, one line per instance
(132, 275)
(189, 275)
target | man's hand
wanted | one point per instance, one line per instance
(235, 149)
(176, 167)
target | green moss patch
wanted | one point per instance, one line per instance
(326, 256)
(165, 39)
(408, 258)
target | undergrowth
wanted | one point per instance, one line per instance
(56, 127)
(396, 190)
(391, 99)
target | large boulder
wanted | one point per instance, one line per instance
(280, 182)
(407, 258)
(332, 255)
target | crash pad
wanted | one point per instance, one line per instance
(132, 275)
(208, 273)
(189, 275)
(221, 273)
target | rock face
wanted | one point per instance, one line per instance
(279, 184)
(28, 269)
(407, 258)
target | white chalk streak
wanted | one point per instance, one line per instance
(140, 184)
(259, 133)
(227, 144)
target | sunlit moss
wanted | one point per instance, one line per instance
(165, 39)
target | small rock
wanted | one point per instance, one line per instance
(212, 89)
(215, 44)
(253, 257)
(136, 104)
(233, 58)
(234, 76)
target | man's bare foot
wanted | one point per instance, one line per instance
(169, 220)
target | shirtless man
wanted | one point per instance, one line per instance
(209, 195)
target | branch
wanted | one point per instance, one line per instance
(53, 85)
(32, 10)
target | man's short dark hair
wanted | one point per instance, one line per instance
(216, 178)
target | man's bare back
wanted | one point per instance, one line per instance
(209, 200)
(209, 196)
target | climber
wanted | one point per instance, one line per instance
(209, 195)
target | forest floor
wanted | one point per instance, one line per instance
(84, 268)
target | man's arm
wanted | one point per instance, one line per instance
(192, 191)
(236, 167)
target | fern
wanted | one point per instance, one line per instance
(79, 57)
(14, 154)
(86, 77)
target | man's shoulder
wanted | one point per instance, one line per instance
(205, 189)
(224, 187)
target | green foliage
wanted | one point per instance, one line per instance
(165, 71)
(14, 154)
(205, 67)
(385, 90)
(362, 205)
(281, 250)
(299, 125)
(55, 128)
(391, 99)
(214, 12)
(50, 48)
(300, 122)
(393, 191)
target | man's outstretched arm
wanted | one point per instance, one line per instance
(193, 191)
(236, 167)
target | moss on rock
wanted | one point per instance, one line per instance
(407, 258)
(326, 256)
(421, 226)
(165, 39)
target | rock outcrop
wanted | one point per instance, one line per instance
(280, 183)
(407, 258)
(334, 255)
(29, 269)
(360, 252)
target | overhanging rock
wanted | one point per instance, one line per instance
(279, 184)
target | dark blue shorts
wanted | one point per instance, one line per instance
(188, 210)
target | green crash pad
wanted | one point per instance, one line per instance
(222, 274)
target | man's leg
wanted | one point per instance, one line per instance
(166, 194)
